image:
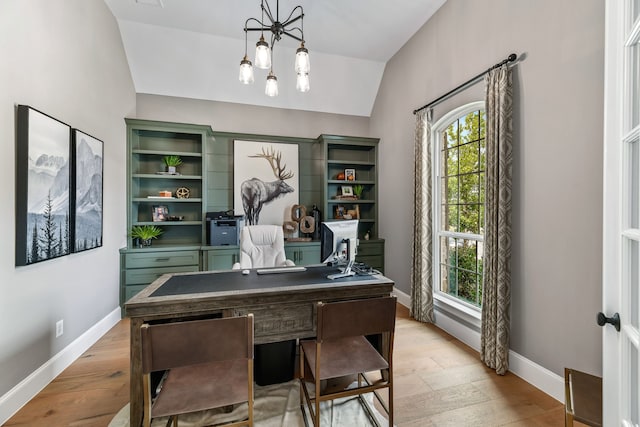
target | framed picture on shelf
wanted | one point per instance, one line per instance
(350, 174)
(339, 214)
(347, 190)
(160, 213)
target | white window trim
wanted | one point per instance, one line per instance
(465, 312)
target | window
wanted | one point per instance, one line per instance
(459, 219)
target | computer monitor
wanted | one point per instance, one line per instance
(338, 244)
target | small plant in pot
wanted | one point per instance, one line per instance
(172, 162)
(145, 233)
(357, 190)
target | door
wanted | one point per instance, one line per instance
(621, 215)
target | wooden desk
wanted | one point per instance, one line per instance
(283, 305)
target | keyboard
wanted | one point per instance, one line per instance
(277, 270)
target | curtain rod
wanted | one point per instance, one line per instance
(510, 58)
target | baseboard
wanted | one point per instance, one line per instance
(536, 375)
(24, 391)
(403, 298)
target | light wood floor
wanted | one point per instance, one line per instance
(438, 382)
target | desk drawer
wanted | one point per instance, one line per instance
(162, 259)
(367, 248)
(281, 320)
(144, 276)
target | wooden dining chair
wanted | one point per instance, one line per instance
(208, 364)
(341, 350)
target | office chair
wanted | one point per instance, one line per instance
(341, 349)
(209, 364)
(262, 246)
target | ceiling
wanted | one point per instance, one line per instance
(193, 48)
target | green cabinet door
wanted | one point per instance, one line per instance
(303, 253)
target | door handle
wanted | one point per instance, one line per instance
(614, 320)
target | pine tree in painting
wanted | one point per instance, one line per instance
(67, 233)
(34, 256)
(48, 242)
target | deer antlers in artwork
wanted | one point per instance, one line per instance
(274, 157)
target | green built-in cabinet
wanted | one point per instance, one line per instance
(148, 143)
(360, 156)
(207, 171)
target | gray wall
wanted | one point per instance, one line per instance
(64, 58)
(228, 117)
(558, 125)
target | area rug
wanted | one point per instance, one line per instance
(274, 406)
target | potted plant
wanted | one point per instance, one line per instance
(172, 162)
(145, 233)
(357, 190)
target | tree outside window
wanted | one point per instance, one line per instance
(461, 178)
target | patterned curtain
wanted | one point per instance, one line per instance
(421, 277)
(496, 296)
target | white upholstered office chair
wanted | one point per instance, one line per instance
(262, 246)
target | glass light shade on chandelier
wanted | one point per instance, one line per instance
(272, 85)
(263, 54)
(246, 71)
(302, 82)
(303, 66)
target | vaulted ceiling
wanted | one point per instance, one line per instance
(193, 48)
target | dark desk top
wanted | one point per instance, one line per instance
(212, 290)
(236, 281)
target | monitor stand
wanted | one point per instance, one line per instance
(344, 272)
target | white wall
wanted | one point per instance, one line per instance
(557, 190)
(64, 58)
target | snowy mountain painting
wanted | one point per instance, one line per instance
(43, 223)
(88, 194)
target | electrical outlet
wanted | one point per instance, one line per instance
(59, 328)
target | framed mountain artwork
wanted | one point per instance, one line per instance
(87, 198)
(43, 183)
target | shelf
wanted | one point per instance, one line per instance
(168, 223)
(157, 246)
(158, 176)
(356, 182)
(166, 200)
(350, 162)
(167, 153)
(349, 202)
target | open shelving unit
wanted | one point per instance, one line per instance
(149, 142)
(361, 156)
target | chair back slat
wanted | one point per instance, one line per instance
(169, 345)
(358, 317)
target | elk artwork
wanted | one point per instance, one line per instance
(256, 192)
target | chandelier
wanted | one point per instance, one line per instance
(264, 50)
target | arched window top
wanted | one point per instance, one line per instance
(444, 121)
